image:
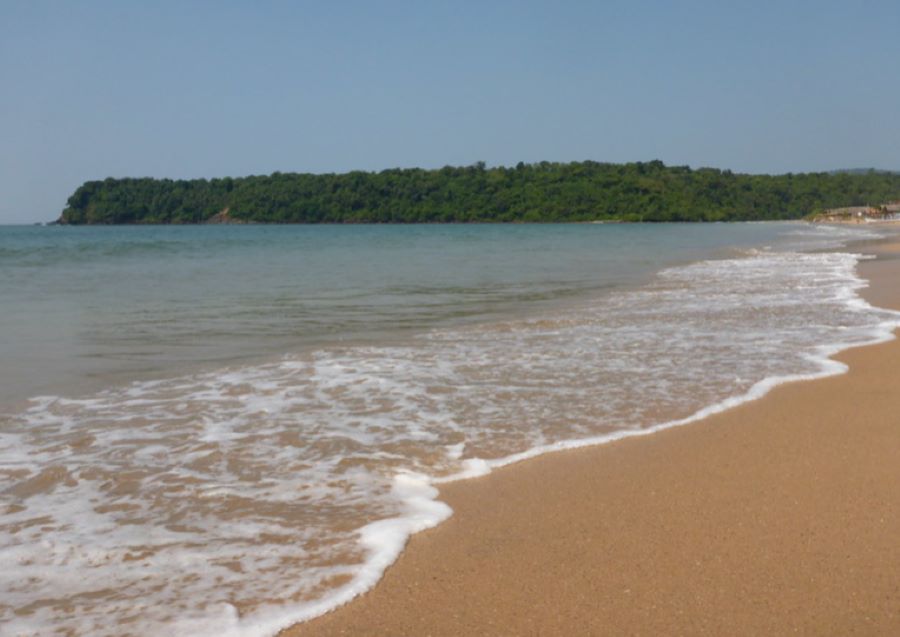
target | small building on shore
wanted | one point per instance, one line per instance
(860, 214)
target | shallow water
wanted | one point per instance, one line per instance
(84, 308)
(243, 425)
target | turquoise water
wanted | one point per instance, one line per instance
(221, 431)
(86, 307)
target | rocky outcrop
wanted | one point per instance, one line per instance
(223, 216)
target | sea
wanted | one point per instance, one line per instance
(225, 430)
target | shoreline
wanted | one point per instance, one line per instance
(501, 520)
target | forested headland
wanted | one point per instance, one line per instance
(540, 192)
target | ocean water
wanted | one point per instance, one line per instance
(227, 430)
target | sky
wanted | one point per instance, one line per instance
(97, 89)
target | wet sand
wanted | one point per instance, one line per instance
(779, 516)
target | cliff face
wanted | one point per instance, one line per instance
(223, 216)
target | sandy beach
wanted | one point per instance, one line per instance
(781, 516)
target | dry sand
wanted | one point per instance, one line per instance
(780, 516)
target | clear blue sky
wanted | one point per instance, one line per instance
(94, 89)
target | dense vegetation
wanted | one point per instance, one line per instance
(585, 191)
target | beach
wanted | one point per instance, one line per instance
(361, 319)
(779, 516)
(189, 453)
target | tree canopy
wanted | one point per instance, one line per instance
(540, 192)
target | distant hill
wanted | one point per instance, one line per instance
(864, 171)
(541, 192)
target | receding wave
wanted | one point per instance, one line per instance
(239, 501)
